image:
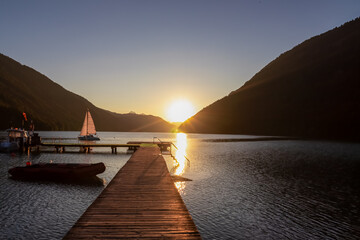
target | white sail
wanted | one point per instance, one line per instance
(84, 127)
(88, 125)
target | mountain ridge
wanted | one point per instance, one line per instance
(308, 91)
(52, 107)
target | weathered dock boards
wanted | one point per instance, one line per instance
(140, 202)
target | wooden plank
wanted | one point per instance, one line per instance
(140, 202)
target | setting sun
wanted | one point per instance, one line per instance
(180, 110)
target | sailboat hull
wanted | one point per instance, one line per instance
(88, 138)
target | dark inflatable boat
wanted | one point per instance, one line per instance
(57, 171)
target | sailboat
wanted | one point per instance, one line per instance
(88, 129)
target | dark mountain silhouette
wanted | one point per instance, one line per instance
(311, 91)
(51, 107)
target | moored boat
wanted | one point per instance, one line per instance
(88, 131)
(16, 140)
(58, 171)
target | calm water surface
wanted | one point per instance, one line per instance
(240, 190)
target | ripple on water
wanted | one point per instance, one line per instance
(275, 190)
(240, 190)
(47, 210)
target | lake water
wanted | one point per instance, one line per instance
(240, 190)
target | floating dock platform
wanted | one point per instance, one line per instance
(87, 146)
(141, 201)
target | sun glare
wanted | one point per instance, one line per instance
(180, 110)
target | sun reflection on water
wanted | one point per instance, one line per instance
(180, 186)
(180, 162)
(181, 143)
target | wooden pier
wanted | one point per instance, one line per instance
(140, 202)
(164, 146)
(86, 147)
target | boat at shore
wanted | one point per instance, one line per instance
(57, 171)
(88, 131)
(16, 139)
(19, 140)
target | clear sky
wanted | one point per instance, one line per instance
(139, 55)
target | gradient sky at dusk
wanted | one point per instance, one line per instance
(139, 55)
